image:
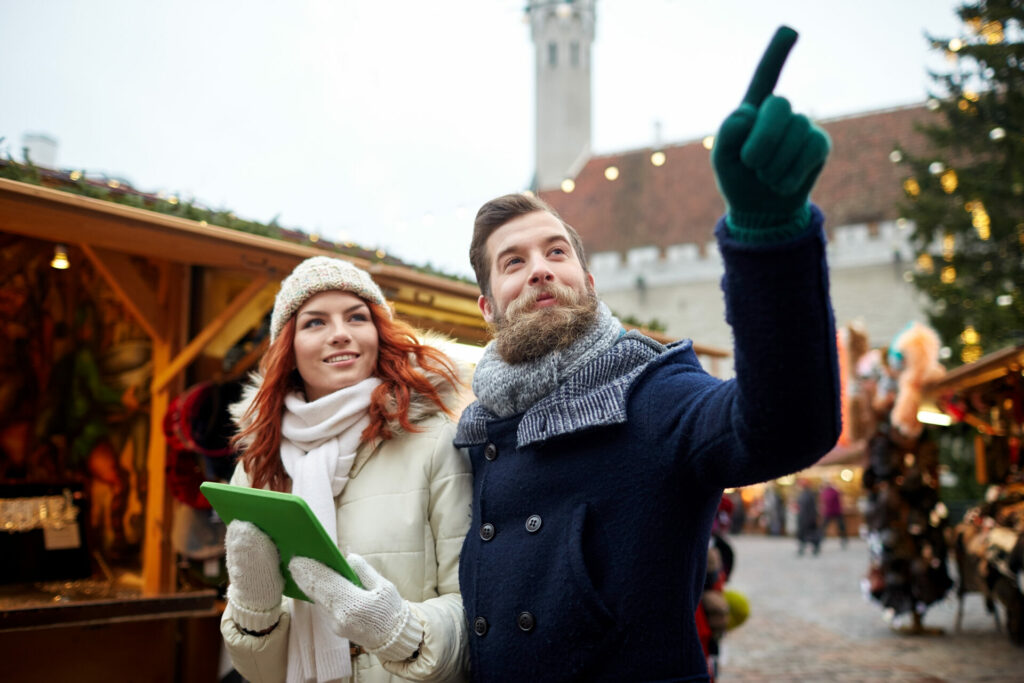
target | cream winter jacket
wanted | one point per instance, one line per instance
(406, 509)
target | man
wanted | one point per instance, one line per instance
(600, 456)
(832, 511)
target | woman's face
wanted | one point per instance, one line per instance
(335, 343)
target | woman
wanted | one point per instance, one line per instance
(353, 414)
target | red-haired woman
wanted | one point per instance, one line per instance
(353, 414)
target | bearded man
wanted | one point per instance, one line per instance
(599, 455)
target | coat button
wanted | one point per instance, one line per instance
(533, 523)
(487, 531)
(491, 451)
(526, 622)
(480, 626)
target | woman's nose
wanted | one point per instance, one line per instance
(339, 335)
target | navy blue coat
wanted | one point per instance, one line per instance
(586, 556)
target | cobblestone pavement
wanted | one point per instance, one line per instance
(810, 622)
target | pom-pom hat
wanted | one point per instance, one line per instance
(321, 274)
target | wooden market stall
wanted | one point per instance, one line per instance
(988, 395)
(180, 295)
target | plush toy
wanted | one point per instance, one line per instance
(914, 355)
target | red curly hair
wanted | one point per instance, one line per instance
(399, 354)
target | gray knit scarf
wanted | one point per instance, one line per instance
(508, 390)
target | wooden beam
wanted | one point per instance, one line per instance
(135, 293)
(247, 318)
(188, 354)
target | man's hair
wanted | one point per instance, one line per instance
(497, 213)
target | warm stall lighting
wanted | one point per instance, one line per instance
(60, 258)
(932, 416)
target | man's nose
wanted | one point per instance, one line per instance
(541, 273)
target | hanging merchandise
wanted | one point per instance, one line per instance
(906, 521)
(198, 430)
(990, 555)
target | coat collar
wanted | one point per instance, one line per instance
(595, 395)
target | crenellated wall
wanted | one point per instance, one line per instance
(681, 288)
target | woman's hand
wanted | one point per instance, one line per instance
(256, 584)
(375, 617)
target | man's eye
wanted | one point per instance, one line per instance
(515, 260)
(559, 250)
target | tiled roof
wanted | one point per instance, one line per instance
(678, 202)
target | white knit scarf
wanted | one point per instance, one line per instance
(318, 445)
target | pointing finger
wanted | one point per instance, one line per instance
(770, 66)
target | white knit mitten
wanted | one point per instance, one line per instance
(254, 572)
(376, 618)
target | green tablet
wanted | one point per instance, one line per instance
(287, 519)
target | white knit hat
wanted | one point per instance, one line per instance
(321, 274)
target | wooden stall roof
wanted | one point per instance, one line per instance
(425, 300)
(993, 366)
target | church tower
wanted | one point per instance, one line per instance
(563, 32)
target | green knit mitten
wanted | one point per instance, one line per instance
(766, 158)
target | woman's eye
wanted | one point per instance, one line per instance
(313, 322)
(359, 317)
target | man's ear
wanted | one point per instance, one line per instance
(590, 277)
(484, 303)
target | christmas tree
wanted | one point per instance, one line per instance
(966, 195)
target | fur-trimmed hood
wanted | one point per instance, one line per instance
(420, 407)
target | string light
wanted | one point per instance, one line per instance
(936, 167)
(992, 32)
(568, 185)
(948, 275)
(970, 353)
(611, 173)
(911, 187)
(997, 133)
(925, 263)
(981, 221)
(658, 159)
(76, 175)
(895, 156)
(708, 142)
(60, 258)
(948, 246)
(955, 45)
(970, 335)
(949, 182)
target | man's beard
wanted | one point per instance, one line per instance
(524, 333)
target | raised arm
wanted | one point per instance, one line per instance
(781, 413)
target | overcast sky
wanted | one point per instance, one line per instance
(388, 122)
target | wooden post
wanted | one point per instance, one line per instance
(157, 554)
